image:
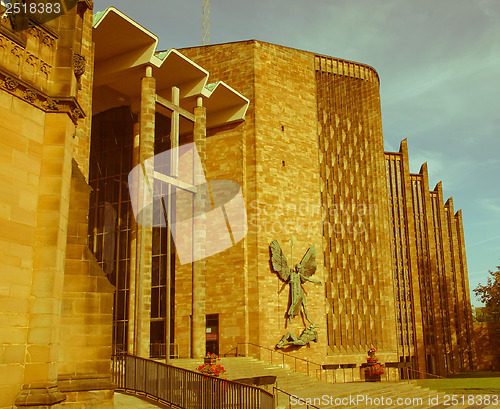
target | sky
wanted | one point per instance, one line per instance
(439, 68)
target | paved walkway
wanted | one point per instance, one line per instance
(125, 401)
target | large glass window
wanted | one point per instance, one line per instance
(110, 212)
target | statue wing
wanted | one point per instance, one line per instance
(307, 266)
(278, 261)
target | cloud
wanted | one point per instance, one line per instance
(484, 241)
(389, 147)
(442, 166)
(490, 8)
(491, 204)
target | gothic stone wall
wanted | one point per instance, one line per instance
(22, 134)
(40, 108)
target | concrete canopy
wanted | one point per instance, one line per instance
(123, 49)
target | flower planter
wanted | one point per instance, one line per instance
(210, 361)
(373, 369)
(372, 378)
(210, 366)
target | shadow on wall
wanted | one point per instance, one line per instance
(487, 337)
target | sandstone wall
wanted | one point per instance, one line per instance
(228, 273)
(41, 99)
(286, 169)
(22, 134)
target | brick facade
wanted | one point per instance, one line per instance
(291, 136)
(312, 140)
(434, 321)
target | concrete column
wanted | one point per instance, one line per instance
(469, 340)
(133, 256)
(145, 230)
(438, 348)
(42, 347)
(449, 310)
(418, 330)
(455, 287)
(198, 336)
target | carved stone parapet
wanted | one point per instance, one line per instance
(48, 40)
(11, 35)
(34, 31)
(32, 60)
(43, 40)
(45, 69)
(16, 58)
(16, 51)
(50, 105)
(10, 83)
(72, 108)
(37, 98)
(46, 36)
(30, 95)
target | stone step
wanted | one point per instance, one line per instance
(305, 387)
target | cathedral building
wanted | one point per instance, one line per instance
(391, 253)
(141, 190)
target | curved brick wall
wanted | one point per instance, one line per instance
(356, 238)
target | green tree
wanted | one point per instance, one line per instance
(489, 294)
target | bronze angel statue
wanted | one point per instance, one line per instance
(295, 277)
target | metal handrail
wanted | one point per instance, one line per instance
(426, 373)
(440, 380)
(284, 355)
(158, 350)
(275, 389)
(183, 388)
(414, 376)
(408, 374)
(320, 366)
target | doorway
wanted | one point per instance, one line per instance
(212, 334)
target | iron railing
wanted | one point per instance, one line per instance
(158, 350)
(185, 389)
(328, 373)
(294, 363)
(447, 384)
